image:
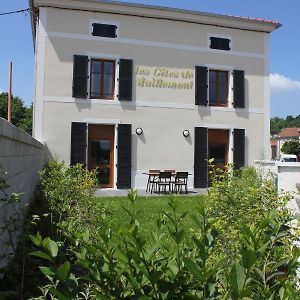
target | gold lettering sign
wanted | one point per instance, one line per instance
(162, 77)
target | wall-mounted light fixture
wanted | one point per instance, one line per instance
(186, 133)
(139, 131)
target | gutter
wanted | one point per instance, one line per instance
(33, 27)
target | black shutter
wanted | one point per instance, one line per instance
(239, 88)
(200, 158)
(239, 148)
(201, 86)
(219, 43)
(125, 79)
(78, 143)
(124, 156)
(104, 30)
(80, 76)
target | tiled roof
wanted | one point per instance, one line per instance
(289, 132)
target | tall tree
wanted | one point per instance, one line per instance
(277, 124)
(21, 115)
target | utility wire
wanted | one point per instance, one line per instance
(15, 12)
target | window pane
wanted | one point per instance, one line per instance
(101, 152)
(223, 77)
(103, 176)
(223, 93)
(212, 76)
(212, 93)
(95, 85)
(96, 66)
(108, 85)
(108, 67)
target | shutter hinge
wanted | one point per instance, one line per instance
(116, 165)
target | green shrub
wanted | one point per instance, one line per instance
(132, 267)
(69, 193)
(241, 198)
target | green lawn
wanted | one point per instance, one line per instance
(149, 210)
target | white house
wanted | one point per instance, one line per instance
(128, 87)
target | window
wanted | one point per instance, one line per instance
(218, 88)
(220, 43)
(102, 79)
(104, 30)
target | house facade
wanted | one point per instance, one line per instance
(130, 87)
(285, 135)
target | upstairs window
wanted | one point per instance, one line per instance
(104, 30)
(218, 88)
(102, 84)
(220, 43)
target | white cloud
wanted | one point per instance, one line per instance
(280, 82)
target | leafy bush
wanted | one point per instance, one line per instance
(291, 147)
(241, 198)
(131, 267)
(69, 193)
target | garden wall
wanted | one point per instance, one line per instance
(21, 156)
(288, 177)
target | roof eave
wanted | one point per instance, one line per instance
(145, 10)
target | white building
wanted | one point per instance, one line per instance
(107, 71)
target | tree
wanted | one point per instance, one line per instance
(277, 124)
(21, 115)
(291, 147)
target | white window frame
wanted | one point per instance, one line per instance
(228, 69)
(116, 58)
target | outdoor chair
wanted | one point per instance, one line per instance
(181, 179)
(164, 182)
(152, 179)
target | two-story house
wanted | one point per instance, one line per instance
(128, 87)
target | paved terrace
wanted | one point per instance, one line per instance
(142, 192)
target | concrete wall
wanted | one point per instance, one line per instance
(21, 156)
(288, 178)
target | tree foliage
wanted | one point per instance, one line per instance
(21, 115)
(279, 123)
(291, 147)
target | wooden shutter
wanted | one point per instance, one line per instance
(201, 86)
(125, 79)
(80, 76)
(104, 30)
(239, 88)
(124, 157)
(78, 143)
(200, 158)
(219, 43)
(239, 148)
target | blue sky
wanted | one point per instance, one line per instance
(16, 45)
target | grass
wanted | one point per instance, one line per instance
(149, 210)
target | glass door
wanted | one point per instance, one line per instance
(101, 153)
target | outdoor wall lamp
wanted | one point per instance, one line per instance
(139, 131)
(186, 133)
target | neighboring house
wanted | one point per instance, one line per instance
(130, 87)
(285, 135)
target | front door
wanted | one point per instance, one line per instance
(101, 153)
(218, 147)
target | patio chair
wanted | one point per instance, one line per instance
(151, 179)
(181, 179)
(164, 182)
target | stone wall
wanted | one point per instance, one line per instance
(21, 156)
